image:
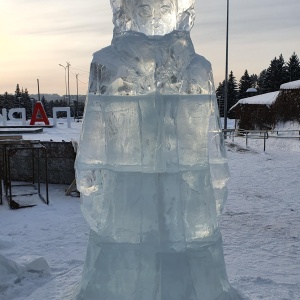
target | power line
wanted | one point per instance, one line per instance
(76, 75)
(80, 70)
(82, 82)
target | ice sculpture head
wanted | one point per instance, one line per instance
(152, 17)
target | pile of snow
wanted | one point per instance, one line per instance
(291, 85)
(12, 272)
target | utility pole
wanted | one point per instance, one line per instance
(76, 107)
(226, 74)
(68, 67)
(65, 79)
(38, 84)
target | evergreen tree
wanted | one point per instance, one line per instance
(50, 107)
(276, 75)
(261, 88)
(18, 91)
(293, 67)
(245, 83)
(2, 100)
(45, 105)
(220, 97)
(232, 97)
(80, 109)
(27, 103)
(8, 101)
(17, 98)
(254, 80)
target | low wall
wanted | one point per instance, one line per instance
(61, 158)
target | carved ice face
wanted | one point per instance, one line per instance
(154, 17)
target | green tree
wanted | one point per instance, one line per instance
(245, 83)
(18, 91)
(26, 103)
(261, 82)
(8, 100)
(17, 98)
(254, 79)
(46, 106)
(2, 100)
(233, 91)
(293, 67)
(220, 97)
(276, 75)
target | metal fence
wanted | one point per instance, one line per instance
(261, 134)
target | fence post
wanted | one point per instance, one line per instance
(265, 134)
(246, 139)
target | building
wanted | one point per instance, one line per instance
(264, 111)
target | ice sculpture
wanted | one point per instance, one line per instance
(151, 166)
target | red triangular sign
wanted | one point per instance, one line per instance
(39, 108)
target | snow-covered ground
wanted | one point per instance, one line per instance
(56, 134)
(260, 227)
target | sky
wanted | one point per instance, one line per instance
(38, 35)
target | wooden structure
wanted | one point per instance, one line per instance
(264, 112)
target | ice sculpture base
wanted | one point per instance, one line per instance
(126, 271)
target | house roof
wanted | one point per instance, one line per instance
(264, 99)
(290, 85)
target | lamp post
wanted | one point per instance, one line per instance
(65, 79)
(68, 67)
(76, 107)
(38, 85)
(226, 74)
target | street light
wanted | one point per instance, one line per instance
(65, 79)
(68, 66)
(76, 107)
(226, 74)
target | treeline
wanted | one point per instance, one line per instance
(22, 99)
(269, 80)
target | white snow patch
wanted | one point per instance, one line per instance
(251, 90)
(56, 134)
(291, 85)
(34, 263)
(267, 99)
